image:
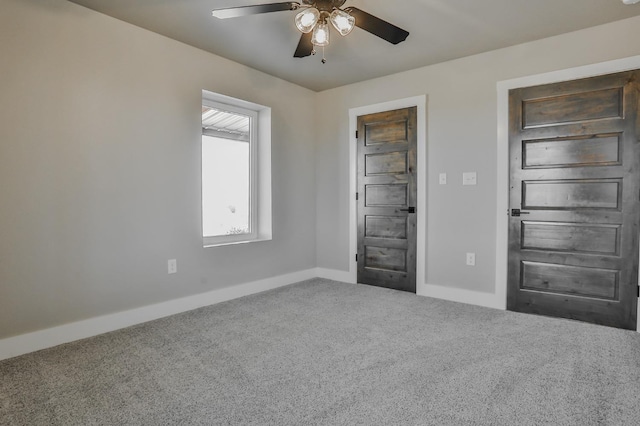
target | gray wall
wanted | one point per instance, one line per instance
(461, 136)
(100, 168)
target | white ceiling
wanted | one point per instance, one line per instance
(440, 30)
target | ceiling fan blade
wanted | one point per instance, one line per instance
(377, 26)
(305, 47)
(234, 12)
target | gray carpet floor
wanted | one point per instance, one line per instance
(326, 353)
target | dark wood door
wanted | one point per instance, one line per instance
(573, 250)
(387, 196)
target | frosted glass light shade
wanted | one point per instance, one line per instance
(307, 19)
(342, 21)
(320, 35)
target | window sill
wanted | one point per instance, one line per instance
(209, 244)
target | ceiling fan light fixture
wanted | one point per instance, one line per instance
(320, 35)
(307, 19)
(342, 21)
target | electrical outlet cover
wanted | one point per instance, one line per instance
(471, 259)
(172, 266)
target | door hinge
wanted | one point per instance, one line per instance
(356, 134)
(356, 196)
(638, 291)
(356, 257)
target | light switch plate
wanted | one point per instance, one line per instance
(469, 178)
(443, 179)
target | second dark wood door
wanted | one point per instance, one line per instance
(387, 196)
(575, 188)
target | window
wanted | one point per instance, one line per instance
(236, 171)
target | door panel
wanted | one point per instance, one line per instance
(571, 194)
(575, 188)
(600, 150)
(571, 237)
(576, 280)
(575, 107)
(386, 191)
(386, 195)
(385, 227)
(386, 164)
(385, 132)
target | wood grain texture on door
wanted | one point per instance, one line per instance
(387, 194)
(575, 199)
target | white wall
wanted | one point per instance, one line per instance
(461, 136)
(100, 168)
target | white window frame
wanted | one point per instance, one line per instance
(260, 217)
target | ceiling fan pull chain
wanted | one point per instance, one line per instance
(324, 61)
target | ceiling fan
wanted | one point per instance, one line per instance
(314, 18)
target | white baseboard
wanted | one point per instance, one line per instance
(470, 297)
(335, 275)
(42, 339)
(488, 300)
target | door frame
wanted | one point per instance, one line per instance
(502, 204)
(420, 102)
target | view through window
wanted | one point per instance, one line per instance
(227, 199)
